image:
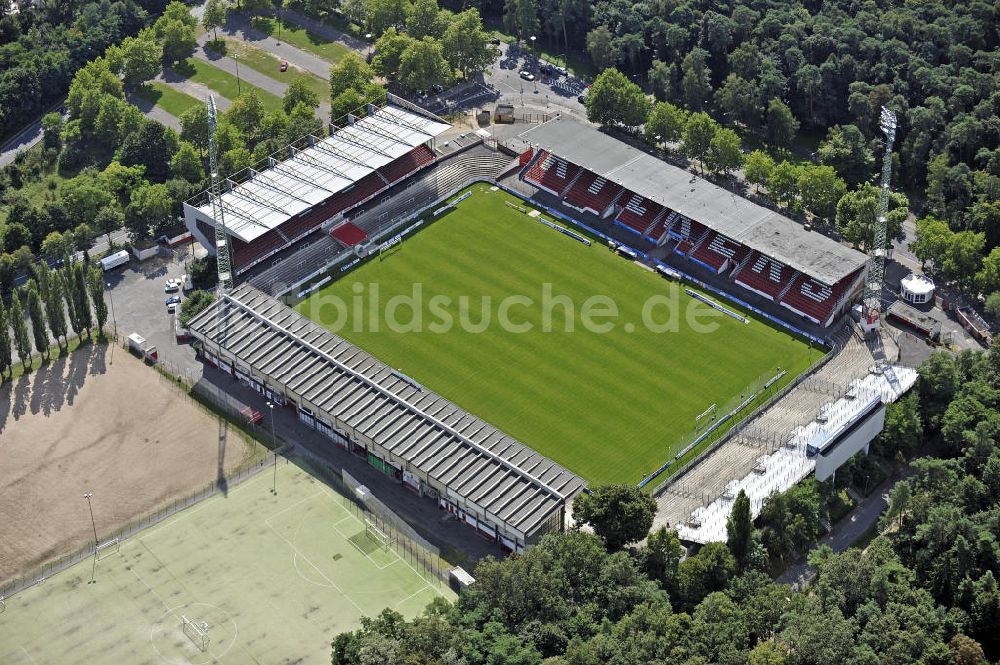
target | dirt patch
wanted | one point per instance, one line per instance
(121, 431)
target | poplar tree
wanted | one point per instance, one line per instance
(37, 315)
(21, 340)
(95, 285)
(82, 300)
(6, 353)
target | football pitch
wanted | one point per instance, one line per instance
(269, 578)
(611, 404)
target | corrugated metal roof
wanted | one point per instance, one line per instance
(510, 482)
(272, 196)
(738, 218)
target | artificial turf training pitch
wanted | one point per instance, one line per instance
(610, 406)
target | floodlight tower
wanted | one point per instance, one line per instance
(222, 258)
(874, 281)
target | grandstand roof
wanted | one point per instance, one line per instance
(734, 216)
(270, 197)
(461, 452)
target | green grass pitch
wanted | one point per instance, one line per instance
(610, 406)
(250, 565)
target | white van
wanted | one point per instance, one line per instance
(114, 260)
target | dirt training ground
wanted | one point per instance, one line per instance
(83, 424)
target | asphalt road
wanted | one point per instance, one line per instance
(554, 94)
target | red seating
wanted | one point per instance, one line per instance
(592, 192)
(687, 229)
(247, 254)
(551, 173)
(765, 275)
(815, 300)
(408, 164)
(719, 252)
(638, 213)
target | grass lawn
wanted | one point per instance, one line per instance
(269, 64)
(223, 82)
(611, 406)
(170, 100)
(301, 38)
(300, 556)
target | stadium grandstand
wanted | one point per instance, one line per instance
(506, 491)
(670, 211)
(312, 184)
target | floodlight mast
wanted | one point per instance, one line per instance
(223, 262)
(874, 280)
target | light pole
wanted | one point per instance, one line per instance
(237, 61)
(274, 442)
(368, 37)
(93, 524)
(114, 323)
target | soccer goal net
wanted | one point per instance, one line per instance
(3, 604)
(104, 550)
(377, 534)
(197, 632)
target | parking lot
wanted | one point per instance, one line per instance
(550, 90)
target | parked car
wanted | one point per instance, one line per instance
(173, 308)
(172, 286)
(437, 88)
(546, 69)
(284, 66)
(527, 76)
(582, 99)
(172, 300)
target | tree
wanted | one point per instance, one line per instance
(988, 277)
(931, 241)
(346, 102)
(81, 301)
(6, 352)
(385, 14)
(846, 150)
(521, 17)
(350, 73)
(739, 528)
(821, 188)
(178, 39)
(388, 51)
(194, 126)
(466, 45)
(299, 92)
(660, 80)
(140, 58)
(782, 125)
(620, 514)
(783, 183)
(95, 288)
(56, 245)
(857, 213)
(148, 211)
(422, 65)
(614, 100)
(601, 48)
(665, 123)
(21, 340)
(246, 113)
(663, 554)
(68, 289)
(757, 168)
(964, 257)
(425, 19)
(85, 195)
(738, 99)
(186, 163)
(37, 315)
(696, 81)
(233, 161)
(725, 154)
(151, 147)
(696, 139)
(52, 127)
(301, 121)
(196, 302)
(214, 16)
(993, 306)
(50, 289)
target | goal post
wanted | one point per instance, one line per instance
(376, 534)
(104, 550)
(196, 631)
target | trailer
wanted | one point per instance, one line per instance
(138, 345)
(114, 260)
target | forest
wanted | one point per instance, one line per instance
(923, 590)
